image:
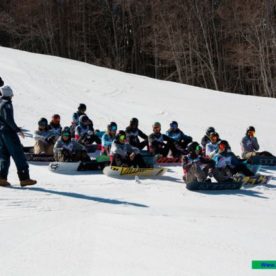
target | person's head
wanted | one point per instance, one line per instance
(6, 92)
(173, 125)
(56, 119)
(209, 130)
(66, 134)
(250, 131)
(121, 137)
(156, 127)
(82, 108)
(42, 124)
(1, 82)
(134, 123)
(194, 148)
(223, 146)
(214, 137)
(112, 128)
(84, 120)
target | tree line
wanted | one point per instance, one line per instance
(227, 45)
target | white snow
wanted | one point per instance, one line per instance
(89, 224)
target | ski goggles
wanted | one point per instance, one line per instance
(198, 148)
(122, 137)
(222, 146)
(66, 134)
(174, 126)
(113, 128)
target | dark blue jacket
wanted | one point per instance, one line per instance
(6, 116)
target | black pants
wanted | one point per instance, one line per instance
(241, 169)
(139, 145)
(118, 160)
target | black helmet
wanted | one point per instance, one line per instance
(43, 122)
(1, 82)
(174, 124)
(192, 146)
(250, 128)
(223, 144)
(209, 130)
(134, 121)
(112, 126)
(121, 136)
(84, 119)
(82, 107)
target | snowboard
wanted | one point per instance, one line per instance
(31, 157)
(208, 186)
(252, 180)
(114, 171)
(168, 160)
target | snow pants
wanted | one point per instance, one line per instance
(43, 147)
(10, 146)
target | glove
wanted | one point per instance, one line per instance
(132, 156)
(51, 140)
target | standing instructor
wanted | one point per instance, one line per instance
(10, 145)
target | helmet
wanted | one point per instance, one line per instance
(1, 82)
(174, 125)
(213, 134)
(250, 128)
(121, 136)
(134, 121)
(66, 132)
(192, 146)
(82, 107)
(6, 91)
(84, 119)
(209, 130)
(43, 122)
(156, 124)
(223, 145)
(112, 126)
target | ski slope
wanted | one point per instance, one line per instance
(89, 224)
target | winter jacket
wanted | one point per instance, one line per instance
(55, 128)
(107, 140)
(44, 135)
(83, 132)
(249, 144)
(191, 159)
(6, 116)
(134, 134)
(211, 149)
(159, 139)
(178, 136)
(204, 141)
(72, 146)
(123, 149)
(226, 158)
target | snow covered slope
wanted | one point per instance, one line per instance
(94, 225)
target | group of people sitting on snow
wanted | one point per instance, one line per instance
(212, 158)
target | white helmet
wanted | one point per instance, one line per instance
(6, 91)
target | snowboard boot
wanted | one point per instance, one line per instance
(4, 183)
(24, 178)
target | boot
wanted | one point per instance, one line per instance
(25, 178)
(27, 182)
(4, 183)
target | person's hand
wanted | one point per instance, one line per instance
(21, 134)
(132, 156)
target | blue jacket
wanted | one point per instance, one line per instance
(6, 116)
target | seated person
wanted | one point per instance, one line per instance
(212, 146)
(76, 117)
(161, 144)
(180, 139)
(125, 155)
(250, 145)
(108, 138)
(84, 132)
(227, 164)
(55, 125)
(68, 150)
(206, 138)
(196, 167)
(45, 138)
(133, 133)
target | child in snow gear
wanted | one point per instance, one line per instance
(125, 155)
(250, 145)
(55, 126)
(179, 138)
(45, 138)
(84, 132)
(10, 145)
(160, 144)
(76, 117)
(196, 167)
(1, 82)
(206, 138)
(133, 133)
(108, 138)
(68, 150)
(227, 164)
(212, 146)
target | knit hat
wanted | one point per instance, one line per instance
(6, 91)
